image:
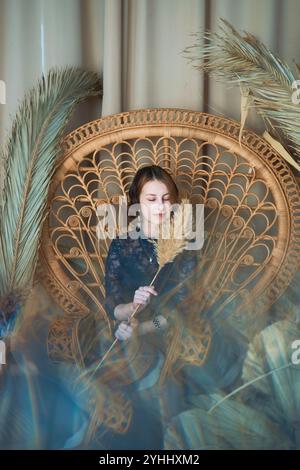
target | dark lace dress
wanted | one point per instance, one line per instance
(132, 263)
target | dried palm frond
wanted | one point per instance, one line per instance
(29, 161)
(235, 59)
(173, 237)
(248, 384)
(280, 149)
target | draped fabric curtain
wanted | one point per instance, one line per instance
(137, 45)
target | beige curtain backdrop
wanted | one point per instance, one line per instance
(137, 45)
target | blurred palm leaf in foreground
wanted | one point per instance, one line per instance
(29, 161)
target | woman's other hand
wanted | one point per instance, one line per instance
(126, 330)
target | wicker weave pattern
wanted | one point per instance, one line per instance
(252, 207)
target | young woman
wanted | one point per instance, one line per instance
(168, 370)
(131, 263)
(130, 266)
(126, 405)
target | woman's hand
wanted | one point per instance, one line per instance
(126, 330)
(142, 296)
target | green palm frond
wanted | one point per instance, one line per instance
(29, 161)
(235, 59)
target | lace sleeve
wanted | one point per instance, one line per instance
(113, 279)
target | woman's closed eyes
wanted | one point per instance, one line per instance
(167, 198)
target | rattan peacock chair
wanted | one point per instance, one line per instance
(251, 200)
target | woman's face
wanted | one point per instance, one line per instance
(155, 202)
